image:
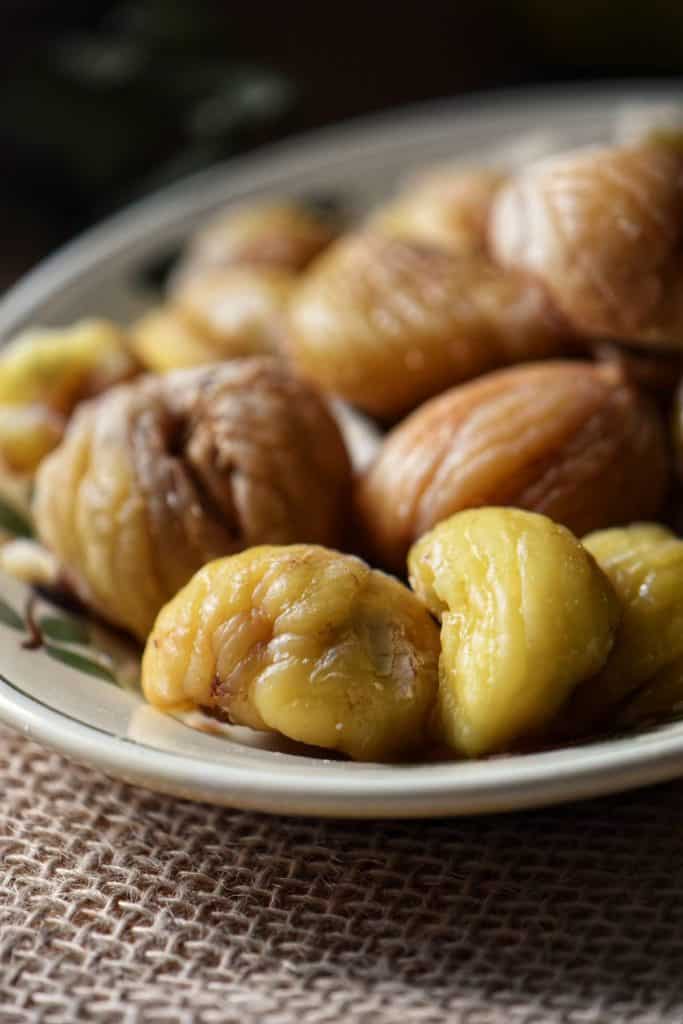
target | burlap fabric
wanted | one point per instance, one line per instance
(119, 906)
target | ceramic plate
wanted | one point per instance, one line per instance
(69, 684)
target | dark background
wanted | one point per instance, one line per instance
(103, 101)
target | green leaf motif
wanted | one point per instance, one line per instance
(13, 521)
(9, 617)
(64, 630)
(79, 662)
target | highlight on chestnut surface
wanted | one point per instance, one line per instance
(386, 322)
(156, 478)
(526, 615)
(302, 641)
(601, 228)
(575, 441)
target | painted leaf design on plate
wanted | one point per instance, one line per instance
(64, 630)
(9, 617)
(80, 662)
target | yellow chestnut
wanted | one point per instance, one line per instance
(302, 641)
(215, 314)
(44, 373)
(644, 563)
(448, 207)
(526, 616)
(165, 340)
(160, 476)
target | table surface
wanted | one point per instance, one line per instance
(119, 906)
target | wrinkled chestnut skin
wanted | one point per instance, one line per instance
(302, 641)
(572, 440)
(602, 229)
(280, 234)
(156, 478)
(386, 322)
(448, 207)
(227, 297)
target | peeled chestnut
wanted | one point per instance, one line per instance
(386, 322)
(526, 615)
(644, 563)
(227, 297)
(44, 373)
(221, 313)
(275, 233)
(602, 229)
(302, 641)
(573, 440)
(447, 207)
(166, 340)
(156, 478)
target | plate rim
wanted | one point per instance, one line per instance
(530, 780)
(271, 787)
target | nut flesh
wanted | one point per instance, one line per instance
(237, 308)
(447, 207)
(526, 616)
(44, 373)
(227, 298)
(216, 314)
(571, 440)
(387, 322)
(645, 566)
(164, 340)
(302, 641)
(282, 235)
(155, 479)
(602, 228)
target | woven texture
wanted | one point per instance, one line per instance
(119, 906)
